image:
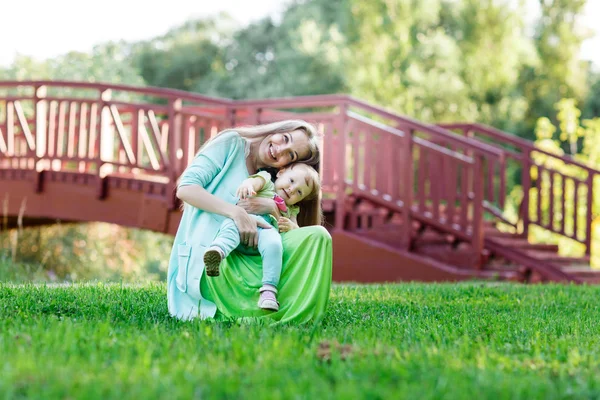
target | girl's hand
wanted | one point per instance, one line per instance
(246, 190)
(247, 226)
(286, 224)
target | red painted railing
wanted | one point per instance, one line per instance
(538, 169)
(419, 172)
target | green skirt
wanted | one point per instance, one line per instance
(303, 289)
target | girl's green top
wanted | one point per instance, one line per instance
(307, 256)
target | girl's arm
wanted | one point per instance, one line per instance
(197, 196)
(260, 205)
(250, 186)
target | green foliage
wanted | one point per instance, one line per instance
(18, 272)
(182, 57)
(302, 55)
(441, 60)
(568, 117)
(592, 103)
(558, 72)
(583, 140)
(73, 252)
(426, 341)
(106, 63)
(407, 61)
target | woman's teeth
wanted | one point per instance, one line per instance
(271, 153)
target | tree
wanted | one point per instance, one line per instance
(558, 72)
(302, 55)
(105, 63)
(440, 60)
(592, 103)
(408, 63)
(494, 47)
(183, 56)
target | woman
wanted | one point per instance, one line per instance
(207, 187)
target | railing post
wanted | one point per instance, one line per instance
(229, 117)
(175, 137)
(477, 222)
(175, 150)
(254, 115)
(105, 143)
(135, 136)
(589, 213)
(502, 189)
(408, 178)
(340, 177)
(10, 129)
(469, 133)
(40, 110)
(526, 182)
(106, 138)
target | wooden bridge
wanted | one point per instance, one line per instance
(404, 200)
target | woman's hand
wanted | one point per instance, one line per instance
(247, 226)
(259, 206)
(286, 224)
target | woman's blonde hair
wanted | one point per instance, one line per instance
(290, 125)
(310, 207)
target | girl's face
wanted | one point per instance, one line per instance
(292, 184)
(281, 149)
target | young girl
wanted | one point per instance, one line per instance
(297, 194)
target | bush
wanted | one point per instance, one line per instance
(70, 252)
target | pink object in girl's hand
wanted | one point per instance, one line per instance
(280, 203)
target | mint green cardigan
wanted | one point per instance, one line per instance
(219, 168)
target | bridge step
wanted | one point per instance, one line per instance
(495, 233)
(556, 258)
(522, 243)
(587, 274)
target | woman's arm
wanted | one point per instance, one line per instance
(198, 197)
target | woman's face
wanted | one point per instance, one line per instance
(281, 149)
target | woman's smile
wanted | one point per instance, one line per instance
(272, 153)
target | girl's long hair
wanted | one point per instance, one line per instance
(310, 207)
(290, 125)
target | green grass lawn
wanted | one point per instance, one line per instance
(415, 341)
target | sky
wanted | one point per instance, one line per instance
(44, 29)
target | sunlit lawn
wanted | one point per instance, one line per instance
(415, 341)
